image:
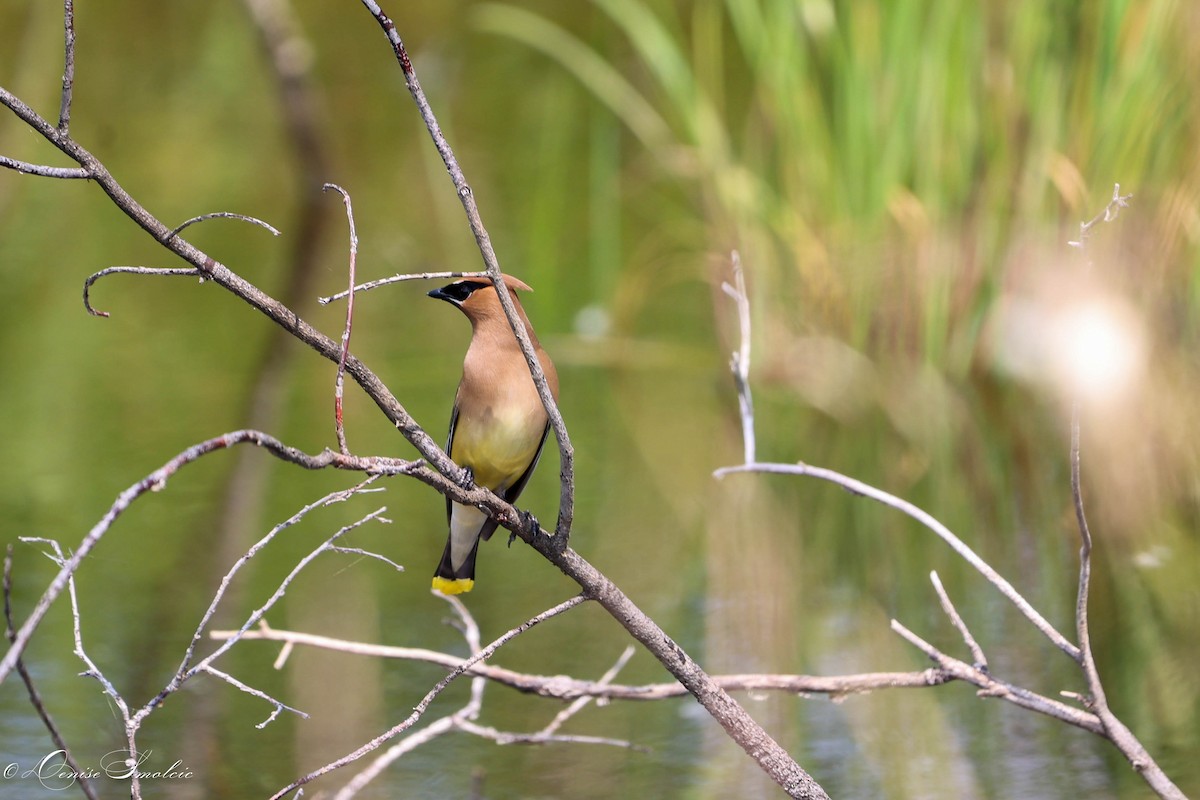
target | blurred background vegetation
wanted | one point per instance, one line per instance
(901, 180)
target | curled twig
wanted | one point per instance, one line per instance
(95, 276)
(222, 215)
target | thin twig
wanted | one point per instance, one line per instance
(578, 705)
(92, 669)
(739, 363)
(989, 686)
(44, 170)
(222, 215)
(412, 276)
(566, 505)
(156, 480)
(259, 612)
(957, 621)
(1113, 728)
(1107, 214)
(341, 367)
(420, 708)
(541, 737)
(561, 687)
(95, 276)
(250, 690)
(929, 521)
(68, 78)
(469, 628)
(35, 697)
(227, 579)
(358, 551)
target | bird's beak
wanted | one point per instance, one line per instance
(439, 294)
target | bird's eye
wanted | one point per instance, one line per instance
(459, 291)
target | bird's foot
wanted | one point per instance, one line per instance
(528, 523)
(467, 480)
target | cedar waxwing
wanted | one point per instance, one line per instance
(498, 424)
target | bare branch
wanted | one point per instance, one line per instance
(43, 170)
(185, 664)
(561, 687)
(739, 363)
(421, 707)
(222, 215)
(470, 630)
(437, 466)
(1103, 722)
(1113, 729)
(341, 367)
(989, 686)
(566, 505)
(68, 78)
(957, 621)
(92, 669)
(35, 697)
(541, 737)
(414, 276)
(156, 480)
(1108, 214)
(232, 681)
(185, 673)
(740, 368)
(929, 521)
(95, 276)
(578, 705)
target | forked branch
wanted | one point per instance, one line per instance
(1096, 716)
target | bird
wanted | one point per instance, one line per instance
(498, 424)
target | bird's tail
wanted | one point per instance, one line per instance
(449, 580)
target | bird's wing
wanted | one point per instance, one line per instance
(513, 492)
(449, 451)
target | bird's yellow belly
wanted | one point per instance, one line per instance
(497, 450)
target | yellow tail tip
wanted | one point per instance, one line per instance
(452, 585)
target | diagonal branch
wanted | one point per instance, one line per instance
(566, 505)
